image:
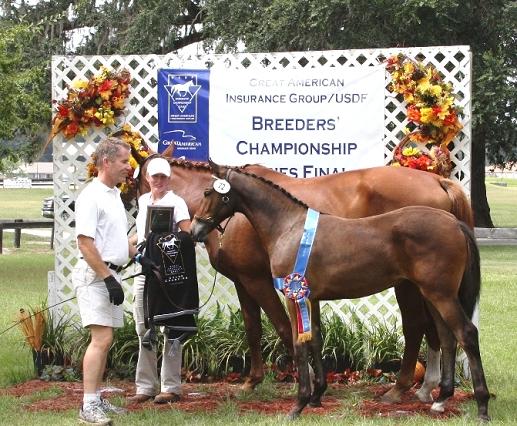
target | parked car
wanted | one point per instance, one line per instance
(47, 208)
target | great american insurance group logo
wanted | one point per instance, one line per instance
(182, 100)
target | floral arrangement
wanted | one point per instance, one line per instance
(139, 152)
(431, 110)
(96, 101)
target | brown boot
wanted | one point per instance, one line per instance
(139, 398)
(165, 397)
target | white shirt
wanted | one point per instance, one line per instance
(100, 214)
(170, 199)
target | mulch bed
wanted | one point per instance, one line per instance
(204, 397)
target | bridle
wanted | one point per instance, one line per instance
(225, 198)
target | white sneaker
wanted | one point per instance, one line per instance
(93, 414)
(108, 407)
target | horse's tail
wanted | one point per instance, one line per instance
(470, 286)
(460, 203)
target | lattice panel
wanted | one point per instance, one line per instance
(70, 157)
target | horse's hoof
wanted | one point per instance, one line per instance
(249, 385)
(391, 397)
(438, 407)
(484, 418)
(424, 396)
(315, 404)
(293, 415)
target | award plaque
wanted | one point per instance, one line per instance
(159, 219)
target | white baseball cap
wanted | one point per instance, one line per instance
(159, 166)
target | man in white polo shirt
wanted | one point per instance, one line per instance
(101, 231)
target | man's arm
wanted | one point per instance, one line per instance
(92, 256)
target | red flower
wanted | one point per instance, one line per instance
(450, 119)
(105, 86)
(63, 111)
(413, 113)
(71, 129)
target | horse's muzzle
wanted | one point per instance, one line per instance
(199, 230)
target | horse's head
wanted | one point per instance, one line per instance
(218, 204)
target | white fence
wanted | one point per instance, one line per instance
(70, 157)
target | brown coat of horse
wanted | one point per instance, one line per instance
(239, 255)
(353, 258)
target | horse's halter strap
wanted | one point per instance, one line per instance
(225, 198)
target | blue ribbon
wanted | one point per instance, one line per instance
(300, 266)
(304, 250)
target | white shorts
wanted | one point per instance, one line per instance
(95, 307)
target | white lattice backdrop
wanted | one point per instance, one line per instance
(70, 157)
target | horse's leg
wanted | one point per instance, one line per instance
(467, 336)
(432, 370)
(412, 308)
(255, 292)
(302, 364)
(253, 327)
(448, 345)
(316, 346)
(432, 375)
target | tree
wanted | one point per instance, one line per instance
(24, 109)
(30, 33)
(162, 26)
(487, 26)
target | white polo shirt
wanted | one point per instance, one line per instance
(170, 199)
(100, 214)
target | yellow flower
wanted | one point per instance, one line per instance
(80, 84)
(423, 85)
(410, 151)
(106, 116)
(133, 163)
(426, 115)
(436, 90)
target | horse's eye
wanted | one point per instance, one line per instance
(207, 192)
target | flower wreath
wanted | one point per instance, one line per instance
(96, 101)
(432, 112)
(139, 152)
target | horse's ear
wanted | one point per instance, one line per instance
(169, 150)
(214, 167)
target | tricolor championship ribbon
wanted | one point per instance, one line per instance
(295, 285)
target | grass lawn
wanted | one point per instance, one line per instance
(502, 199)
(20, 203)
(23, 282)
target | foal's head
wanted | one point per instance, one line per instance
(218, 204)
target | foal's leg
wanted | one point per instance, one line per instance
(253, 326)
(316, 346)
(467, 336)
(412, 311)
(448, 345)
(302, 363)
(252, 292)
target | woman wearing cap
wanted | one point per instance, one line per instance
(166, 388)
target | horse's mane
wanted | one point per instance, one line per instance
(272, 184)
(189, 164)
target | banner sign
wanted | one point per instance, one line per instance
(183, 112)
(302, 122)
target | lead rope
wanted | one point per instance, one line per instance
(42, 310)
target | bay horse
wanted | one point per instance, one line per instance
(353, 258)
(239, 256)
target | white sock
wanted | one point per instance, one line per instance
(90, 398)
(98, 395)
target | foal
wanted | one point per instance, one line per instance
(353, 258)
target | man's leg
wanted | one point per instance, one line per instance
(94, 362)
